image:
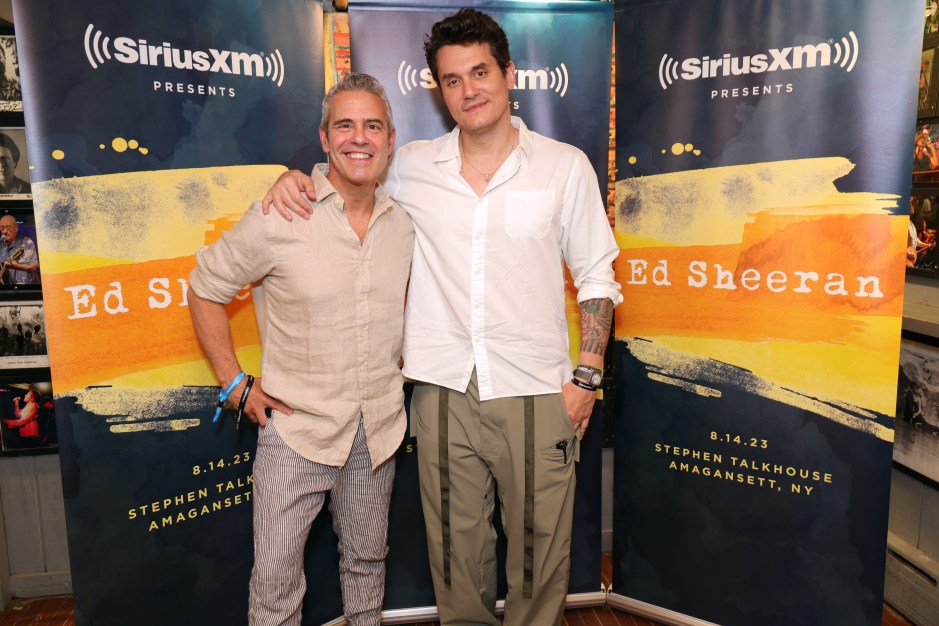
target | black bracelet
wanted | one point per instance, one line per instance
(583, 385)
(244, 400)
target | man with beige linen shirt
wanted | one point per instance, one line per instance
(334, 291)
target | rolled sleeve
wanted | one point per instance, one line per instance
(587, 239)
(600, 284)
(241, 256)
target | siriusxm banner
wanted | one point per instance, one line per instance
(761, 209)
(563, 92)
(151, 127)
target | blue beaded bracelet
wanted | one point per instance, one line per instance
(224, 393)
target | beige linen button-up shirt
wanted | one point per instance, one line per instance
(330, 318)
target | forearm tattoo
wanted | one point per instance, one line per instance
(595, 318)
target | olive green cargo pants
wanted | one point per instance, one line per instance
(483, 449)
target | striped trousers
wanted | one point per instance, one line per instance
(289, 491)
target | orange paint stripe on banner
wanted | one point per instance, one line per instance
(673, 316)
(791, 278)
(111, 321)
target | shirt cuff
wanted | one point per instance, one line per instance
(206, 286)
(593, 292)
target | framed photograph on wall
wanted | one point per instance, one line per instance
(916, 440)
(926, 153)
(27, 417)
(19, 255)
(932, 18)
(927, 83)
(11, 96)
(22, 335)
(921, 241)
(14, 165)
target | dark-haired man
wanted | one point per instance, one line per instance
(497, 209)
(331, 345)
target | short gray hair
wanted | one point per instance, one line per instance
(357, 82)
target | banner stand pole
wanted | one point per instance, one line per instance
(657, 613)
(429, 613)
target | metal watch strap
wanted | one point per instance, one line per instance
(588, 374)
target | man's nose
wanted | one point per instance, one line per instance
(470, 90)
(358, 134)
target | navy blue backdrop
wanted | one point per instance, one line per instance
(708, 548)
(157, 497)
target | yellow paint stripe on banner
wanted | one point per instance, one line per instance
(142, 216)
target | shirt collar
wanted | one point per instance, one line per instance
(325, 192)
(19, 238)
(449, 148)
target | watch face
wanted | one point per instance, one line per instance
(596, 379)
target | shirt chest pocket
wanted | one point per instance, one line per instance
(528, 213)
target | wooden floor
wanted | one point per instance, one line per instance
(58, 611)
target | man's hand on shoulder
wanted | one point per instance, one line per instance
(289, 195)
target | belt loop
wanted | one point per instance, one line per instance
(529, 494)
(443, 414)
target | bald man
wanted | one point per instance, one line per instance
(17, 254)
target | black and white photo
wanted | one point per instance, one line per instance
(14, 165)
(916, 442)
(22, 335)
(11, 95)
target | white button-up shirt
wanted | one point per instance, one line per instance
(330, 318)
(487, 280)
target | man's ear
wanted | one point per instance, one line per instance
(510, 75)
(324, 140)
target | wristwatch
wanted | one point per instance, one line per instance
(589, 375)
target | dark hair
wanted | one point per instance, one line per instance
(7, 142)
(463, 28)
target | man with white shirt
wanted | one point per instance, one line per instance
(497, 209)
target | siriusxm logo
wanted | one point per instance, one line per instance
(100, 48)
(556, 80)
(843, 53)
